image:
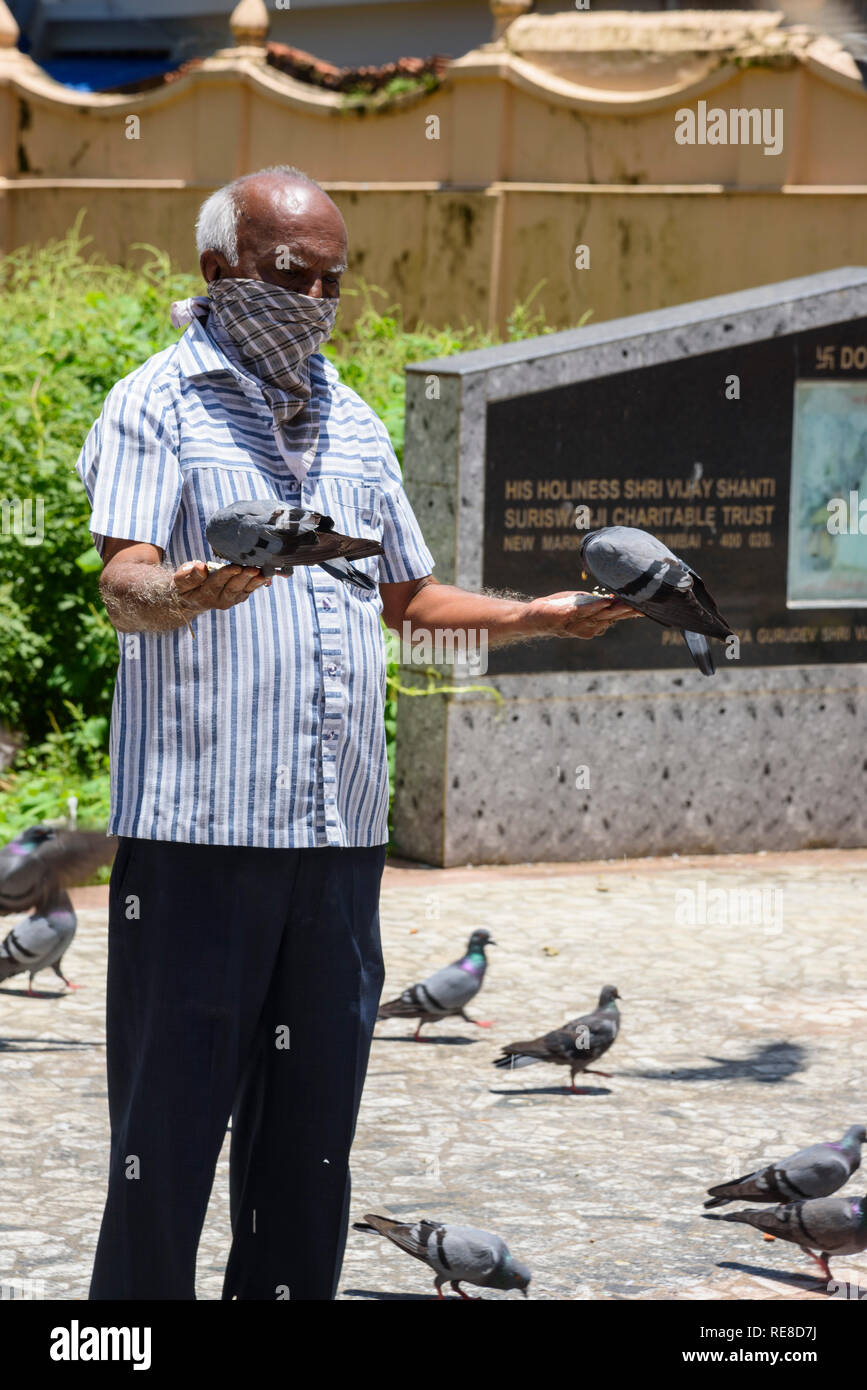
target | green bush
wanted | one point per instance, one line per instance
(73, 325)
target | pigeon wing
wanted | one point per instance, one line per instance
(31, 945)
(22, 880)
(452, 987)
(467, 1253)
(813, 1172)
(415, 1238)
(557, 1046)
(73, 856)
(36, 876)
(596, 1030)
(759, 1186)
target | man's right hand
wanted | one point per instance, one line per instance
(143, 595)
(201, 588)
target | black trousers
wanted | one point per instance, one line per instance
(241, 982)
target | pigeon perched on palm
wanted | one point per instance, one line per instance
(578, 1043)
(816, 1171)
(275, 537)
(457, 1254)
(36, 868)
(447, 992)
(644, 573)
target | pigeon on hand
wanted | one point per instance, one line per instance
(274, 538)
(816, 1171)
(575, 1045)
(456, 1254)
(448, 991)
(831, 1225)
(36, 868)
(644, 573)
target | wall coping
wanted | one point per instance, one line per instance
(821, 55)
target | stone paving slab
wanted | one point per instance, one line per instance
(738, 1043)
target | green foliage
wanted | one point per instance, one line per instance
(72, 326)
(72, 761)
(75, 324)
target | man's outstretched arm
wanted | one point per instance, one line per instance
(427, 604)
(143, 594)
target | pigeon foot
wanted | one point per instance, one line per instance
(467, 1297)
(822, 1262)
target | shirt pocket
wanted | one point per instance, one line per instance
(353, 507)
(355, 510)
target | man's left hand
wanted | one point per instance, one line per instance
(575, 615)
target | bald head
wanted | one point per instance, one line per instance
(284, 230)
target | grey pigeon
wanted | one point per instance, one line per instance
(575, 1045)
(275, 538)
(36, 868)
(816, 1171)
(448, 991)
(831, 1225)
(456, 1254)
(644, 573)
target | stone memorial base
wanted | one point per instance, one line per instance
(607, 764)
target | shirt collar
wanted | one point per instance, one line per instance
(199, 356)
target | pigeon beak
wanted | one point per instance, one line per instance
(490, 941)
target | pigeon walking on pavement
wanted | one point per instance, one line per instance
(644, 573)
(456, 1254)
(447, 992)
(831, 1225)
(274, 538)
(578, 1043)
(36, 868)
(816, 1171)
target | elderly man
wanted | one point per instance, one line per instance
(249, 775)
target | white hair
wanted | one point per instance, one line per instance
(217, 222)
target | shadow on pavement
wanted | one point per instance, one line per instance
(768, 1064)
(449, 1041)
(809, 1282)
(401, 1297)
(45, 1044)
(553, 1091)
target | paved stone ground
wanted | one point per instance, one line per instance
(738, 1043)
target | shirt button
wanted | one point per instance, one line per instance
(333, 669)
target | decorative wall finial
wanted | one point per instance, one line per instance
(9, 30)
(249, 24)
(504, 11)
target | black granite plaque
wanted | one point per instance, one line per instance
(705, 464)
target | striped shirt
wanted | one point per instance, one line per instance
(266, 727)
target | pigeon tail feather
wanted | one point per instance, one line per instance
(341, 569)
(699, 650)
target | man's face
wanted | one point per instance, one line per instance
(289, 235)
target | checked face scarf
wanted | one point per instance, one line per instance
(271, 333)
